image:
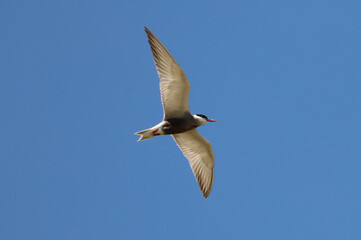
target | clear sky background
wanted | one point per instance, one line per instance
(283, 79)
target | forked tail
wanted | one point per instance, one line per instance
(150, 132)
(145, 134)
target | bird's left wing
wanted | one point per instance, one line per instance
(200, 155)
(174, 85)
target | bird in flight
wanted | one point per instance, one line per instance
(177, 119)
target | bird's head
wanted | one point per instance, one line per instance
(202, 119)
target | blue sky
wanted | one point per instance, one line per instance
(282, 78)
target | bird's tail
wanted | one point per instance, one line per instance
(150, 132)
(145, 134)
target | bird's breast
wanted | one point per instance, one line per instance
(179, 125)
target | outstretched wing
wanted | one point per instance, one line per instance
(200, 155)
(174, 85)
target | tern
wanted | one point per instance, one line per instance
(177, 119)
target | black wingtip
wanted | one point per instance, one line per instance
(146, 29)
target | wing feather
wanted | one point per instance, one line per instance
(174, 85)
(200, 155)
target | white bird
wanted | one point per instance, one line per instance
(177, 119)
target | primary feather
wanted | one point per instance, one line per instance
(174, 85)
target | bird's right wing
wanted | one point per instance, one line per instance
(174, 85)
(199, 153)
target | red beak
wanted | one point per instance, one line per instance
(211, 120)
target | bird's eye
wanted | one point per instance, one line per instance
(202, 116)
